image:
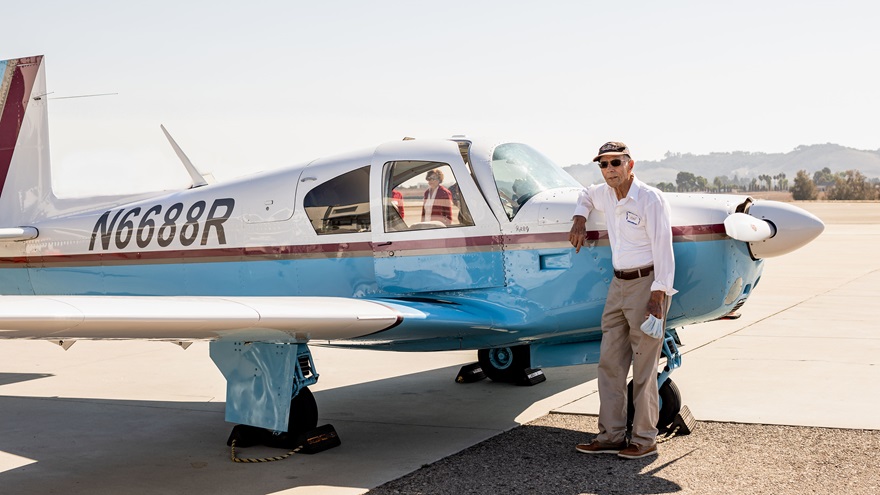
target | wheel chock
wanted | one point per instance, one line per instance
(684, 422)
(311, 442)
(532, 377)
(470, 373)
(318, 440)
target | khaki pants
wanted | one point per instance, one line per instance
(623, 342)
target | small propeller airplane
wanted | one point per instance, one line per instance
(340, 251)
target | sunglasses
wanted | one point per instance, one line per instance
(433, 178)
(614, 163)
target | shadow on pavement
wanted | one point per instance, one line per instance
(10, 378)
(388, 428)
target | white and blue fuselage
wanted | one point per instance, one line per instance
(254, 237)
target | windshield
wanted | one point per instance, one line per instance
(521, 172)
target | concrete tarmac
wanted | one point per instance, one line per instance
(147, 417)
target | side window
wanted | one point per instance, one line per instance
(342, 204)
(422, 195)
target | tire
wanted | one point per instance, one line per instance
(505, 364)
(670, 405)
(303, 413)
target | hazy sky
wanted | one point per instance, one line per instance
(257, 85)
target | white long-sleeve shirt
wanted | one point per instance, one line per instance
(639, 229)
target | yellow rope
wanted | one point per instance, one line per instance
(669, 435)
(262, 459)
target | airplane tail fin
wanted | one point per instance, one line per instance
(25, 184)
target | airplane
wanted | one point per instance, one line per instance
(339, 251)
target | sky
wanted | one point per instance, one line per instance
(251, 86)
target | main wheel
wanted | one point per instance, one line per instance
(670, 405)
(303, 413)
(505, 364)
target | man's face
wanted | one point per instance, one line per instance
(615, 176)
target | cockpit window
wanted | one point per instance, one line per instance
(521, 172)
(342, 204)
(422, 195)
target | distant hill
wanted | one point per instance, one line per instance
(744, 164)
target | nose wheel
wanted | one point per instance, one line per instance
(670, 405)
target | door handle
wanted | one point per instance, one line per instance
(384, 244)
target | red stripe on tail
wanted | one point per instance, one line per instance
(15, 93)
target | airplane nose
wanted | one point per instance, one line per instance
(794, 227)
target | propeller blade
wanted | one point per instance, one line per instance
(747, 228)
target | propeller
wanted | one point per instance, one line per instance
(747, 228)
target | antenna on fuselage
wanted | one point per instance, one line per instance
(198, 180)
(46, 95)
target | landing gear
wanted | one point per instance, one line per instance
(510, 365)
(302, 420)
(504, 364)
(670, 397)
(267, 394)
(267, 384)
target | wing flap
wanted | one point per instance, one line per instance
(190, 318)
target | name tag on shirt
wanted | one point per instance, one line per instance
(633, 218)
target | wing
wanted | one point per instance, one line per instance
(192, 318)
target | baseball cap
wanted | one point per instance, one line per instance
(612, 148)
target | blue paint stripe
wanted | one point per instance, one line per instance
(345, 277)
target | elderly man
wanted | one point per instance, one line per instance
(640, 233)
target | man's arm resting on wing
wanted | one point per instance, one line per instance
(578, 234)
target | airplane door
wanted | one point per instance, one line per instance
(431, 235)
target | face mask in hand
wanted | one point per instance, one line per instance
(653, 327)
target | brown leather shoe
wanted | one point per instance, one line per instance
(638, 451)
(597, 447)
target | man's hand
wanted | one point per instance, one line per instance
(578, 235)
(657, 304)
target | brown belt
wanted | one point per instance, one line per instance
(633, 274)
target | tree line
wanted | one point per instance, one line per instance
(848, 185)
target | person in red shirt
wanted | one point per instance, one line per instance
(438, 199)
